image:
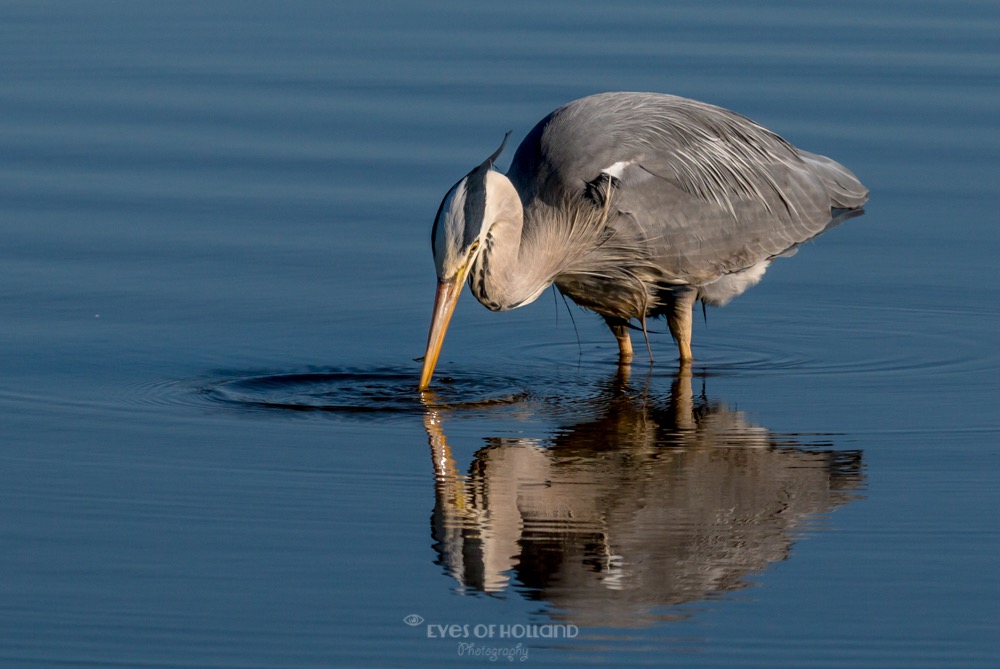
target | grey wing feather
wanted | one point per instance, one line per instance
(846, 192)
(704, 191)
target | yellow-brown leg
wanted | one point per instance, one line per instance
(620, 331)
(680, 319)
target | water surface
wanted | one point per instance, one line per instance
(217, 275)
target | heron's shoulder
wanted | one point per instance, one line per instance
(709, 152)
(572, 144)
(587, 135)
(644, 121)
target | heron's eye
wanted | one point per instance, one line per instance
(473, 248)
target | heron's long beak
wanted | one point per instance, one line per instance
(444, 307)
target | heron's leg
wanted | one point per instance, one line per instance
(620, 331)
(680, 319)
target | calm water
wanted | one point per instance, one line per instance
(214, 224)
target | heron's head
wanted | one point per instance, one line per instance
(457, 239)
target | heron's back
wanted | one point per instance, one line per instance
(698, 192)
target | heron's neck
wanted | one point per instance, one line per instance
(509, 272)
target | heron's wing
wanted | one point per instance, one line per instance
(846, 192)
(705, 191)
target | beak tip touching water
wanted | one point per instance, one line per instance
(444, 307)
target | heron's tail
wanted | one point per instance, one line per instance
(846, 192)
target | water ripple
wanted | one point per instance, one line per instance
(358, 393)
(908, 345)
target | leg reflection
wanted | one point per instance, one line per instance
(643, 501)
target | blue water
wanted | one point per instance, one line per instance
(214, 227)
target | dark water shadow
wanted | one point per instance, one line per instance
(649, 503)
(377, 393)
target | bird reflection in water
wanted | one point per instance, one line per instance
(649, 504)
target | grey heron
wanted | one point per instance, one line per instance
(635, 205)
